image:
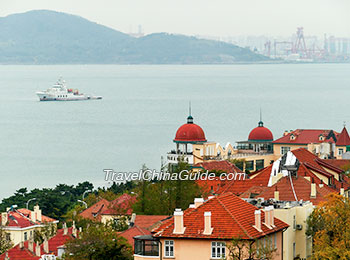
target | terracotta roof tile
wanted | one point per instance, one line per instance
(130, 233)
(230, 217)
(307, 136)
(343, 138)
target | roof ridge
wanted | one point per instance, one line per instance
(233, 217)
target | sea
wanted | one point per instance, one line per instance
(43, 144)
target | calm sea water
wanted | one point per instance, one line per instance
(46, 143)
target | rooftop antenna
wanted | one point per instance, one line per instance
(344, 123)
(189, 107)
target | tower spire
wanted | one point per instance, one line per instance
(261, 124)
(189, 118)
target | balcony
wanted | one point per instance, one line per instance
(174, 158)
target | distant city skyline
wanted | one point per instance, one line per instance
(204, 17)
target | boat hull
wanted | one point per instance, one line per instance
(47, 97)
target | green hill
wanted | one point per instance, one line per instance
(48, 37)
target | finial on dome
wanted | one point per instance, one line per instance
(260, 124)
(189, 118)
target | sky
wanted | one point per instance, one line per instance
(204, 17)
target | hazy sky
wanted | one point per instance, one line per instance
(204, 17)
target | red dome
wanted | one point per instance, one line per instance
(260, 133)
(190, 133)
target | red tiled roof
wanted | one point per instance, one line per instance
(224, 166)
(18, 253)
(147, 221)
(302, 188)
(58, 240)
(94, 212)
(310, 162)
(121, 205)
(130, 233)
(337, 162)
(230, 217)
(21, 218)
(306, 136)
(343, 138)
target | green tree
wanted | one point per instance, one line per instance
(5, 242)
(161, 197)
(98, 242)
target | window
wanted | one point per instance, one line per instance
(340, 151)
(218, 250)
(8, 237)
(275, 241)
(285, 149)
(146, 247)
(259, 164)
(169, 248)
(249, 165)
(25, 236)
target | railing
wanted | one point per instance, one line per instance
(175, 158)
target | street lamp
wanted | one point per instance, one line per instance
(30, 201)
(85, 204)
(86, 192)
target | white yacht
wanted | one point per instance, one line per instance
(60, 92)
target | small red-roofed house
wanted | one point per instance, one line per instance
(323, 143)
(104, 210)
(205, 230)
(20, 224)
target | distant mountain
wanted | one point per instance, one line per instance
(48, 37)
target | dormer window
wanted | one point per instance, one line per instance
(321, 138)
(292, 137)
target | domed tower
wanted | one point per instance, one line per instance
(186, 136)
(260, 139)
(260, 134)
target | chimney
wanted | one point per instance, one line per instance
(32, 216)
(74, 229)
(132, 220)
(277, 194)
(313, 189)
(21, 245)
(4, 218)
(65, 229)
(178, 222)
(342, 192)
(267, 216)
(37, 250)
(257, 225)
(31, 245)
(37, 212)
(207, 223)
(285, 133)
(198, 202)
(272, 216)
